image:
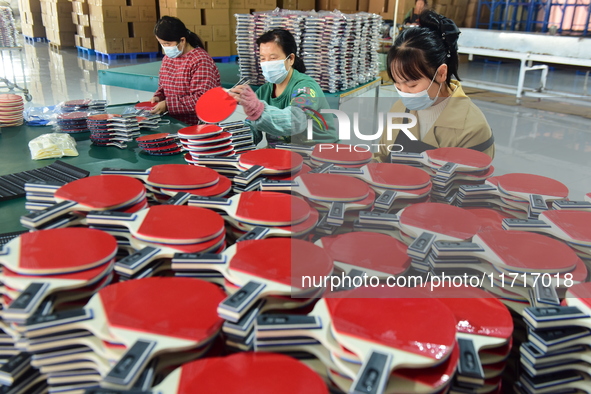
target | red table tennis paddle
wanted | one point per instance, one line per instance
(215, 105)
(177, 176)
(100, 192)
(160, 223)
(388, 175)
(446, 161)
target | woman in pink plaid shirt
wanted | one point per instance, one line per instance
(186, 73)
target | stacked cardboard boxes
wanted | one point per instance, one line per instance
(453, 9)
(302, 5)
(345, 6)
(385, 8)
(81, 18)
(123, 26)
(57, 19)
(31, 22)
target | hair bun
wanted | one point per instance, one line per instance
(441, 25)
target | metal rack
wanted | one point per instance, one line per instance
(10, 56)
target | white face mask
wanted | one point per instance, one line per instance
(420, 100)
(172, 52)
(275, 71)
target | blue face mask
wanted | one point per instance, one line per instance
(275, 71)
(172, 52)
(420, 100)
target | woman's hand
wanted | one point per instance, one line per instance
(160, 108)
(245, 96)
(155, 99)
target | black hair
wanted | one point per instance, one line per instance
(424, 1)
(286, 42)
(419, 51)
(172, 29)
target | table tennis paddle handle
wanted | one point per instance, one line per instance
(385, 201)
(198, 258)
(566, 204)
(255, 233)
(127, 369)
(371, 217)
(373, 375)
(246, 322)
(61, 318)
(554, 313)
(274, 184)
(323, 169)
(469, 365)
(245, 177)
(217, 159)
(509, 224)
(545, 295)
(136, 261)
(552, 379)
(537, 203)
(99, 217)
(455, 247)
(207, 202)
(421, 246)
(235, 306)
(474, 189)
(48, 186)
(336, 214)
(406, 155)
(280, 322)
(36, 219)
(346, 171)
(560, 335)
(324, 227)
(14, 367)
(180, 198)
(27, 302)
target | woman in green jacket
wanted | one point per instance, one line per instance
(283, 107)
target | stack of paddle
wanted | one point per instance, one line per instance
(279, 214)
(364, 349)
(330, 153)
(332, 193)
(148, 122)
(248, 166)
(112, 130)
(84, 105)
(449, 168)
(124, 328)
(11, 110)
(570, 226)
(261, 275)
(556, 358)
(522, 195)
(165, 180)
(159, 144)
(205, 140)
(74, 199)
(72, 122)
(241, 135)
(574, 205)
(405, 184)
(518, 267)
(154, 234)
(420, 225)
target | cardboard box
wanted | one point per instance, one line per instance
(78, 40)
(181, 4)
(221, 33)
(285, 4)
(440, 9)
(252, 3)
(204, 32)
(33, 30)
(376, 6)
(31, 18)
(222, 4)
(63, 25)
(105, 13)
(130, 13)
(132, 45)
(149, 44)
(363, 5)
(80, 7)
(109, 30)
(88, 42)
(164, 11)
(103, 3)
(237, 4)
(204, 4)
(143, 3)
(147, 13)
(108, 45)
(83, 31)
(189, 17)
(214, 17)
(74, 18)
(142, 29)
(162, 4)
(341, 4)
(65, 39)
(269, 3)
(307, 5)
(84, 20)
(323, 5)
(219, 48)
(30, 6)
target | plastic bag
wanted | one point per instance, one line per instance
(54, 145)
(41, 116)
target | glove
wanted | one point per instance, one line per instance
(253, 107)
